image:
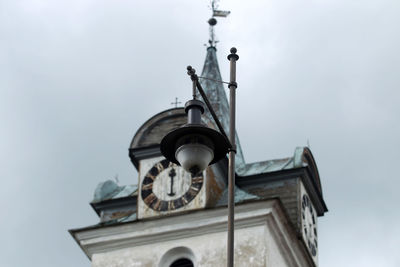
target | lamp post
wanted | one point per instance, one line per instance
(194, 146)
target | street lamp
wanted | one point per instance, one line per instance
(194, 146)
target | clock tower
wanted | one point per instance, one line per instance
(172, 218)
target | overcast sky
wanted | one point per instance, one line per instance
(79, 77)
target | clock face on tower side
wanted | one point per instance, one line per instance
(309, 224)
(166, 186)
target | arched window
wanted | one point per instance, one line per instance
(178, 257)
(182, 262)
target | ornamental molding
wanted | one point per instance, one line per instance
(101, 239)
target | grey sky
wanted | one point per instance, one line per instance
(77, 79)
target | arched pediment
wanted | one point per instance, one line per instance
(154, 129)
(303, 156)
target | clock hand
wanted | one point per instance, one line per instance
(172, 174)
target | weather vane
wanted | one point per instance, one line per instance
(212, 21)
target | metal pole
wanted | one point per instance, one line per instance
(231, 172)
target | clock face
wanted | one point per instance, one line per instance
(309, 224)
(166, 186)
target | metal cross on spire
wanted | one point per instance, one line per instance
(176, 102)
(212, 21)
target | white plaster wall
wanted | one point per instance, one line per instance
(274, 257)
(209, 251)
(263, 237)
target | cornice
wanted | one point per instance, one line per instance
(203, 222)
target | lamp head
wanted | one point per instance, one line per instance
(194, 152)
(194, 146)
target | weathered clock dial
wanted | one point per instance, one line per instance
(167, 187)
(309, 224)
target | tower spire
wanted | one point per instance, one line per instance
(213, 21)
(215, 92)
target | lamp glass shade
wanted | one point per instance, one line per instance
(194, 157)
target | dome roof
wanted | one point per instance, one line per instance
(154, 129)
(146, 142)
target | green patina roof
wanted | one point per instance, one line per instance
(110, 190)
(240, 196)
(273, 165)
